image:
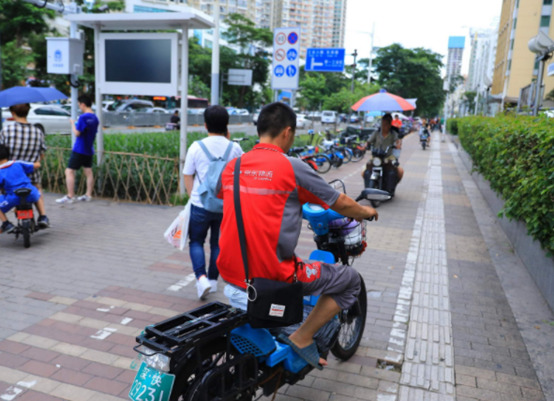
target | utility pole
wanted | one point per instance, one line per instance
(355, 54)
(215, 57)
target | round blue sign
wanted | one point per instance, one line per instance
(279, 71)
(291, 70)
(293, 38)
(292, 54)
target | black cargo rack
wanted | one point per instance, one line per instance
(188, 329)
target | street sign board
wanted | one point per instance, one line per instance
(286, 49)
(550, 70)
(240, 77)
(325, 60)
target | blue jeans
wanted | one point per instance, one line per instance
(200, 221)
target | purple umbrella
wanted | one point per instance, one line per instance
(26, 94)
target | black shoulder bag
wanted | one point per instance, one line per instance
(271, 303)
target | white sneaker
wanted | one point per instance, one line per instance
(65, 199)
(213, 283)
(203, 287)
(84, 198)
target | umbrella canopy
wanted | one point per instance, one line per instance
(382, 101)
(25, 94)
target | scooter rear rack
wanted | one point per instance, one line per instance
(191, 328)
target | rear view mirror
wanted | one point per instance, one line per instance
(372, 194)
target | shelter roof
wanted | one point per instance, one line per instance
(141, 21)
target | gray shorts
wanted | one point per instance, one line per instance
(340, 282)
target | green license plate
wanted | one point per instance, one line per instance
(151, 385)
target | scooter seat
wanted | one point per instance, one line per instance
(23, 192)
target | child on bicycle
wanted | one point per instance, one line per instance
(13, 175)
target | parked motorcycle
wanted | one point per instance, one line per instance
(383, 176)
(212, 353)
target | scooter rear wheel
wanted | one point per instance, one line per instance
(352, 326)
(26, 233)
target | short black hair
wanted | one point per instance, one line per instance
(274, 118)
(85, 100)
(387, 116)
(216, 118)
(21, 110)
(4, 152)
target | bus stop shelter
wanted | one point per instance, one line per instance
(122, 22)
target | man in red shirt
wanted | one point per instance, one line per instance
(273, 188)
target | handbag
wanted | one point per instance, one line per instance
(177, 232)
(271, 303)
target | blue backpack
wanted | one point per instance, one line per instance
(207, 188)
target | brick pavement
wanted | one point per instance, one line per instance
(73, 303)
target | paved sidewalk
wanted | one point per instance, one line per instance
(442, 322)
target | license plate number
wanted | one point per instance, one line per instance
(24, 214)
(151, 385)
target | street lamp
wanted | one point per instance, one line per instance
(543, 47)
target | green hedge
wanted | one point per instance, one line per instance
(516, 155)
(452, 125)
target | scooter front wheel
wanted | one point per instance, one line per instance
(373, 184)
(352, 325)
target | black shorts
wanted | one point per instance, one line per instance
(78, 160)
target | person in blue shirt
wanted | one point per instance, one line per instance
(14, 175)
(85, 132)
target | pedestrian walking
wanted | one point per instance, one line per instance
(81, 156)
(203, 165)
(25, 142)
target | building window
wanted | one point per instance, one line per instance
(547, 2)
(512, 44)
(545, 21)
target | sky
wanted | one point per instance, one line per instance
(416, 23)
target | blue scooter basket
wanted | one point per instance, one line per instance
(258, 342)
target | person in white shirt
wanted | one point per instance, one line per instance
(216, 119)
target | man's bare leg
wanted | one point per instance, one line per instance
(70, 182)
(90, 180)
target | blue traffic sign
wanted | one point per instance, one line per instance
(279, 71)
(292, 54)
(291, 71)
(325, 59)
(293, 37)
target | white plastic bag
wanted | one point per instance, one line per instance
(177, 232)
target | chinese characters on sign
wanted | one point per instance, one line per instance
(286, 49)
(325, 59)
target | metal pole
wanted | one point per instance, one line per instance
(539, 85)
(370, 56)
(355, 54)
(75, 91)
(100, 134)
(184, 106)
(215, 57)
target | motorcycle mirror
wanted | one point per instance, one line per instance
(374, 194)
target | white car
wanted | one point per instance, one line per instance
(328, 117)
(301, 121)
(51, 119)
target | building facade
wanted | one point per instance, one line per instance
(455, 53)
(515, 66)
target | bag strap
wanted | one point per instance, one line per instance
(227, 151)
(206, 151)
(240, 223)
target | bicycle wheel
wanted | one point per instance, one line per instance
(26, 232)
(322, 162)
(346, 153)
(357, 154)
(352, 326)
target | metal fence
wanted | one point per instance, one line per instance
(159, 119)
(122, 176)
